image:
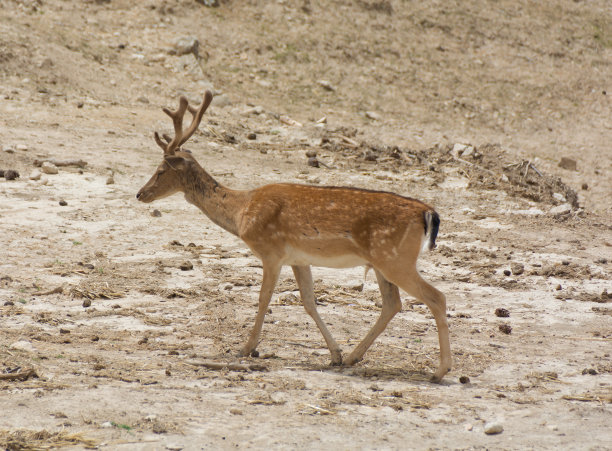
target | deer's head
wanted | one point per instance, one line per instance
(167, 178)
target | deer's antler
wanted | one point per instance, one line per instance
(181, 136)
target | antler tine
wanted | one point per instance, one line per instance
(197, 114)
(177, 120)
(160, 143)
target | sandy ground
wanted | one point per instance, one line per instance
(92, 294)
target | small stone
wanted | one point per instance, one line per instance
(464, 379)
(8, 149)
(110, 180)
(507, 272)
(558, 287)
(255, 353)
(235, 411)
(80, 104)
(156, 213)
(9, 303)
(493, 428)
(185, 46)
(252, 136)
(142, 99)
(186, 266)
(64, 331)
(468, 152)
(372, 115)
(11, 174)
(35, 175)
(151, 417)
(568, 163)
(313, 162)
(559, 197)
(21, 147)
(49, 168)
(591, 371)
(560, 210)
(585, 186)
(517, 268)
(502, 313)
(326, 85)
(87, 303)
(370, 156)
(1, 173)
(505, 328)
(311, 153)
(63, 203)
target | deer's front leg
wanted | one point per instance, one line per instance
(270, 277)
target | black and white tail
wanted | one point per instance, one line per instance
(432, 224)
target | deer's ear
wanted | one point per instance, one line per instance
(175, 162)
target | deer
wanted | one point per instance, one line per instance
(303, 226)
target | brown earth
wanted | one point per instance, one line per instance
(400, 84)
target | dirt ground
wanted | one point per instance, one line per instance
(469, 106)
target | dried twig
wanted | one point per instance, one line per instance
(212, 365)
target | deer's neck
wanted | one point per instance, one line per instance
(222, 205)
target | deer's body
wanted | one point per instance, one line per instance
(303, 226)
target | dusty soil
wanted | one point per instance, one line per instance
(92, 295)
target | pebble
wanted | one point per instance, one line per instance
(11, 174)
(507, 272)
(255, 110)
(313, 162)
(156, 213)
(372, 115)
(35, 175)
(9, 303)
(110, 180)
(585, 186)
(63, 203)
(493, 428)
(311, 153)
(562, 209)
(326, 85)
(464, 380)
(21, 147)
(370, 156)
(8, 149)
(87, 303)
(252, 136)
(106, 425)
(505, 328)
(517, 268)
(568, 163)
(49, 168)
(502, 313)
(186, 266)
(185, 46)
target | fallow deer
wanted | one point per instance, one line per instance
(300, 226)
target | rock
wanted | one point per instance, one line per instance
(507, 272)
(8, 149)
(326, 85)
(372, 115)
(502, 313)
(35, 175)
(9, 303)
(252, 136)
(591, 371)
(63, 203)
(221, 101)
(505, 328)
(156, 213)
(493, 428)
(185, 46)
(142, 99)
(559, 197)
(87, 303)
(468, 151)
(110, 180)
(311, 153)
(1, 173)
(23, 345)
(370, 156)
(464, 380)
(21, 147)
(11, 174)
(459, 148)
(517, 268)
(49, 168)
(209, 3)
(186, 266)
(585, 186)
(568, 163)
(559, 210)
(313, 162)
(106, 425)
(254, 110)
